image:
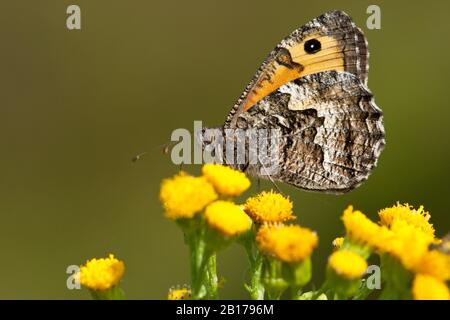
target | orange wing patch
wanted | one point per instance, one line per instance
(293, 62)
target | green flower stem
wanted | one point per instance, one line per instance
(311, 295)
(255, 258)
(274, 282)
(274, 294)
(363, 293)
(204, 281)
(212, 282)
(324, 289)
(396, 279)
(296, 292)
(256, 287)
(114, 293)
(341, 288)
(197, 248)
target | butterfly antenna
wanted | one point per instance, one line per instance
(166, 147)
(138, 156)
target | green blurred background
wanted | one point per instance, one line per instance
(77, 105)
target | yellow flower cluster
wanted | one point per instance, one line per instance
(412, 235)
(183, 195)
(227, 218)
(288, 243)
(182, 293)
(418, 218)
(362, 230)
(347, 264)
(402, 232)
(436, 264)
(101, 274)
(426, 287)
(269, 207)
(226, 181)
(407, 244)
(406, 234)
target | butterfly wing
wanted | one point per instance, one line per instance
(331, 131)
(329, 42)
(313, 87)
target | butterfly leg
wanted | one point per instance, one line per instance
(270, 177)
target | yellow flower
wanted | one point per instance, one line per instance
(436, 264)
(183, 195)
(337, 243)
(362, 230)
(403, 240)
(408, 244)
(426, 287)
(418, 218)
(288, 243)
(347, 264)
(226, 181)
(227, 218)
(182, 293)
(101, 274)
(269, 207)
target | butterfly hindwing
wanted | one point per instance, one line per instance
(332, 131)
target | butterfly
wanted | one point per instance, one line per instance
(312, 87)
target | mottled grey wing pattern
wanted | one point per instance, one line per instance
(313, 87)
(332, 131)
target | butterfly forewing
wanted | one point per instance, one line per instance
(342, 45)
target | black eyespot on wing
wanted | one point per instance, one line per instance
(312, 46)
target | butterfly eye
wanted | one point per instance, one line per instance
(312, 46)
